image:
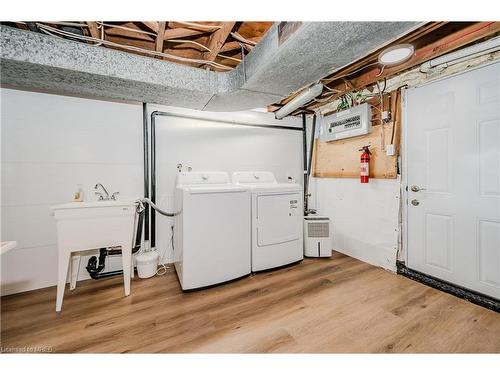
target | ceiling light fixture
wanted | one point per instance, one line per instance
(396, 55)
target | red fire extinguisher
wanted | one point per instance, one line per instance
(365, 165)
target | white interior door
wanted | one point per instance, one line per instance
(453, 152)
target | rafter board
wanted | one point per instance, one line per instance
(152, 25)
(182, 33)
(217, 40)
(208, 34)
(160, 36)
(94, 31)
(128, 34)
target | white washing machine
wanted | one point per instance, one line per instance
(277, 212)
(212, 229)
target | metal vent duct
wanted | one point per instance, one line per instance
(284, 61)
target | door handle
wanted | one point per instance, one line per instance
(416, 188)
(415, 202)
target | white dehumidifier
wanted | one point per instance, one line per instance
(317, 241)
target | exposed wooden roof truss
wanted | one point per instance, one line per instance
(218, 46)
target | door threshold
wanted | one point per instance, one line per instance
(444, 286)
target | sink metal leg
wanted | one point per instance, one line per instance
(62, 276)
(74, 269)
(127, 264)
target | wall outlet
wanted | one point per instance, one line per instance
(385, 116)
(389, 150)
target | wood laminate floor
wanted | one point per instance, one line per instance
(320, 305)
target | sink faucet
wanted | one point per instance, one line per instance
(102, 197)
(105, 196)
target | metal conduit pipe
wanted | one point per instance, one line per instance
(145, 140)
(489, 46)
(304, 157)
(309, 166)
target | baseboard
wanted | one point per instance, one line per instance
(444, 286)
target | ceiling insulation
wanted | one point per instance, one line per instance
(269, 73)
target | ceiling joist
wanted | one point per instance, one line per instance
(432, 40)
(152, 25)
(160, 36)
(93, 29)
(217, 40)
(183, 42)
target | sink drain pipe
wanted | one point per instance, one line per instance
(95, 265)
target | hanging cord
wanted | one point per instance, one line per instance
(382, 130)
(57, 32)
(162, 270)
(240, 38)
(162, 267)
(381, 71)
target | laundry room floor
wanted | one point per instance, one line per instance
(320, 305)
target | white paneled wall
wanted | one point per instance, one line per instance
(51, 144)
(209, 145)
(364, 217)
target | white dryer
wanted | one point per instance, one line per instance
(212, 229)
(277, 212)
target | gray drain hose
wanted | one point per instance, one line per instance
(148, 201)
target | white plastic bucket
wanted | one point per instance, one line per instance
(147, 264)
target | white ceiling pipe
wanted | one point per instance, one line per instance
(301, 99)
(489, 46)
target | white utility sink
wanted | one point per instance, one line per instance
(94, 204)
(92, 225)
(7, 246)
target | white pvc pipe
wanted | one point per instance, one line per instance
(301, 99)
(489, 46)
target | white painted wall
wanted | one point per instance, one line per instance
(364, 217)
(52, 143)
(210, 145)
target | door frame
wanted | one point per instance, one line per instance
(403, 251)
(402, 258)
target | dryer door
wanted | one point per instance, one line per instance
(279, 218)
